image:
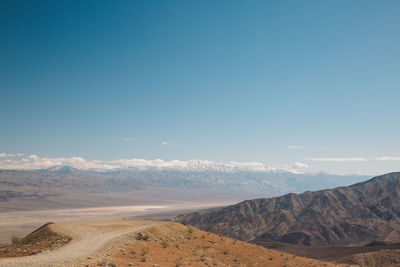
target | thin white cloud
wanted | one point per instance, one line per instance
(300, 165)
(12, 155)
(165, 143)
(387, 158)
(296, 168)
(296, 147)
(351, 159)
(128, 139)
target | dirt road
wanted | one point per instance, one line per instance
(89, 240)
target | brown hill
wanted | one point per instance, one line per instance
(178, 245)
(354, 215)
(146, 243)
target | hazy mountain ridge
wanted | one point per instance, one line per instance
(358, 214)
(261, 183)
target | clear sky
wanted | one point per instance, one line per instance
(277, 82)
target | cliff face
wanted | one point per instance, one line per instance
(358, 214)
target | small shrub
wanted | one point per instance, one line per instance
(141, 236)
(103, 262)
(112, 263)
(15, 239)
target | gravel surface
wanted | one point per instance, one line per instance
(88, 240)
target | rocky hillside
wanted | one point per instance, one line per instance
(358, 214)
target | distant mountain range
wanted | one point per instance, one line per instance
(255, 183)
(33, 162)
(355, 215)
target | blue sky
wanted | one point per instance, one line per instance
(275, 82)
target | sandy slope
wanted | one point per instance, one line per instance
(173, 244)
(88, 239)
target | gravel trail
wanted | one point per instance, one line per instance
(88, 240)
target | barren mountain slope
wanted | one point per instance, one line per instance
(358, 214)
(384, 258)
